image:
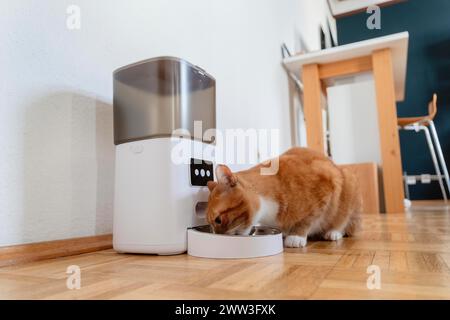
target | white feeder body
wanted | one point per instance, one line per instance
(160, 180)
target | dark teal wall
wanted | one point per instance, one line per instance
(428, 24)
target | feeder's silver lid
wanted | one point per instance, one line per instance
(154, 97)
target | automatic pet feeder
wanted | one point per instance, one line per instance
(160, 202)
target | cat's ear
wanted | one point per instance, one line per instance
(211, 185)
(225, 176)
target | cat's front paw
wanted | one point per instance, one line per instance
(294, 241)
(333, 235)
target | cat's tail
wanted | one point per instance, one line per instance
(356, 203)
(354, 224)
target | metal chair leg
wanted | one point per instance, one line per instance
(405, 181)
(417, 127)
(433, 157)
(440, 154)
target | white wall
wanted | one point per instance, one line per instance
(57, 155)
(353, 121)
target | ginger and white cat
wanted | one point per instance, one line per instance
(308, 196)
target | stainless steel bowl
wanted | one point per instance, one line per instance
(254, 232)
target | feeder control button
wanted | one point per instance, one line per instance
(137, 148)
(201, 172)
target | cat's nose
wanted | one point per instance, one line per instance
(218, 229)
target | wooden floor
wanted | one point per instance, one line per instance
(412, 252)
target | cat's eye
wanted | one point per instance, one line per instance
(218, 220)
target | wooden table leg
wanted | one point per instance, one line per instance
(389, 138)
(293, 95)
(312, 107)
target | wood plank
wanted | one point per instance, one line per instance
(347, 260)
(382, 259)
(312, 107)
(345, 67)
(398, 261)
(364, 259)
(389, 138)
(53, 249)
(322, 270)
